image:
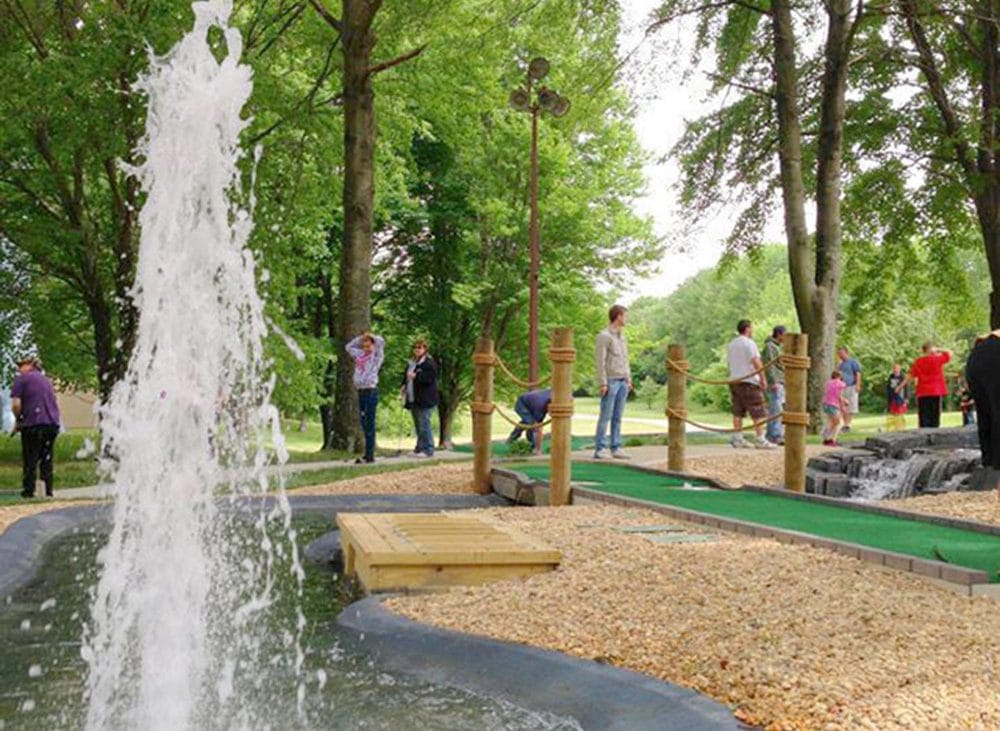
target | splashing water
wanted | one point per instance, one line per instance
(174, 637)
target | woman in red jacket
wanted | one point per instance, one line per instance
(928, 372)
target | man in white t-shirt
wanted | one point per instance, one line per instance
(748, 392)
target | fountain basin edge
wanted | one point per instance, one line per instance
(596, 695)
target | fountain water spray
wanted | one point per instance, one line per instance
(177, 613)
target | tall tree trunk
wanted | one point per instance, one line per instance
(354, 297)
(980, 170)
(815, 272)
(988, 201)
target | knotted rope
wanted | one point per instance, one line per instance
(520, 424)
(681, 366)
(682, 415)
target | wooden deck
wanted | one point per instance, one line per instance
(399, 551)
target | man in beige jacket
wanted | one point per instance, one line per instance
(615, 380)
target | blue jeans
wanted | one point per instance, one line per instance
(422, 424)
(612, 407)
(367, 404)
(775, 405)
(521, 409)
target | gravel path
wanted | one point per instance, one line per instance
(433, 479)
(982, 506)
(791, 637)
(738, 467)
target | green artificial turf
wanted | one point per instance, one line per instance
(502, 449)
(969, 549)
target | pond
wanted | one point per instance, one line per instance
(42, 673)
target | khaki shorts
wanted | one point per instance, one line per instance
(851, 395)
(748, 398)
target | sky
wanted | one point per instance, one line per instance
(664, 99)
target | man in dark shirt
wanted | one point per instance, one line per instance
(33, 401)
(531, 407)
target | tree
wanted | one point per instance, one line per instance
(452, 264)
(70, 121)
(357, 38)
(957, 52)
(730, 153)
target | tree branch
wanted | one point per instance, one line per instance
(326, 15)
(935, 85)
(380, 67)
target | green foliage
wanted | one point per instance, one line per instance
(702, 313)
(651, 393)
(520, 448)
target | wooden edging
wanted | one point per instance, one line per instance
(970, 582)
(969, 525)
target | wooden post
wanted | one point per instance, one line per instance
(561, 355)
(795, 358)
(482, 415)
(676, 411)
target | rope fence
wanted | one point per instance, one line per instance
(794, 416)
(562, 354)
(520, 381)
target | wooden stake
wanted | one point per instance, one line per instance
(796, 418)
(482, 415)
(561, 355)
(676, 395)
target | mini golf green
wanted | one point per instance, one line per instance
(502, 449)
(966, 548)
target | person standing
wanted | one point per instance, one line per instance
(420, 396)
(614, 377)
(982, 372)
(33, 401)
(896, 400)
(834, 406)
(368, 352)
(928, 372)
(850, 370)
(776, 384)
(749, 387)
(966, 404)
(532, 408)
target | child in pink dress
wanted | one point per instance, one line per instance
(834, 404)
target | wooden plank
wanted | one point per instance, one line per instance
(429, 550)
(394, 578)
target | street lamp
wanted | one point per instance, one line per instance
(551, 102)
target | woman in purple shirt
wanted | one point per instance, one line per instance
(33, 401)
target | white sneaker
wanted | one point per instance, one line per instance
(620, 454)
(601, 454)
(738, 442)
(421, 455)
(762, 443)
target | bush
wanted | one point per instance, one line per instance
(520, 448)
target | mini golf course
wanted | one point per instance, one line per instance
(966, 548)
(501, 448)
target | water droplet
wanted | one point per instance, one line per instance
(35, 671)
(48, 604)
(28, 705)
(25, 624)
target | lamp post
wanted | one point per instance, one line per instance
(549, 101)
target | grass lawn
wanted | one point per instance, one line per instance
(303, 446)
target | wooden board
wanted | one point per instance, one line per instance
(393, 551)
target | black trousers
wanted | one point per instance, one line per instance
(929, 411)
(983, 374)
(36, 456)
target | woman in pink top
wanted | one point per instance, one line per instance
(834, 405)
